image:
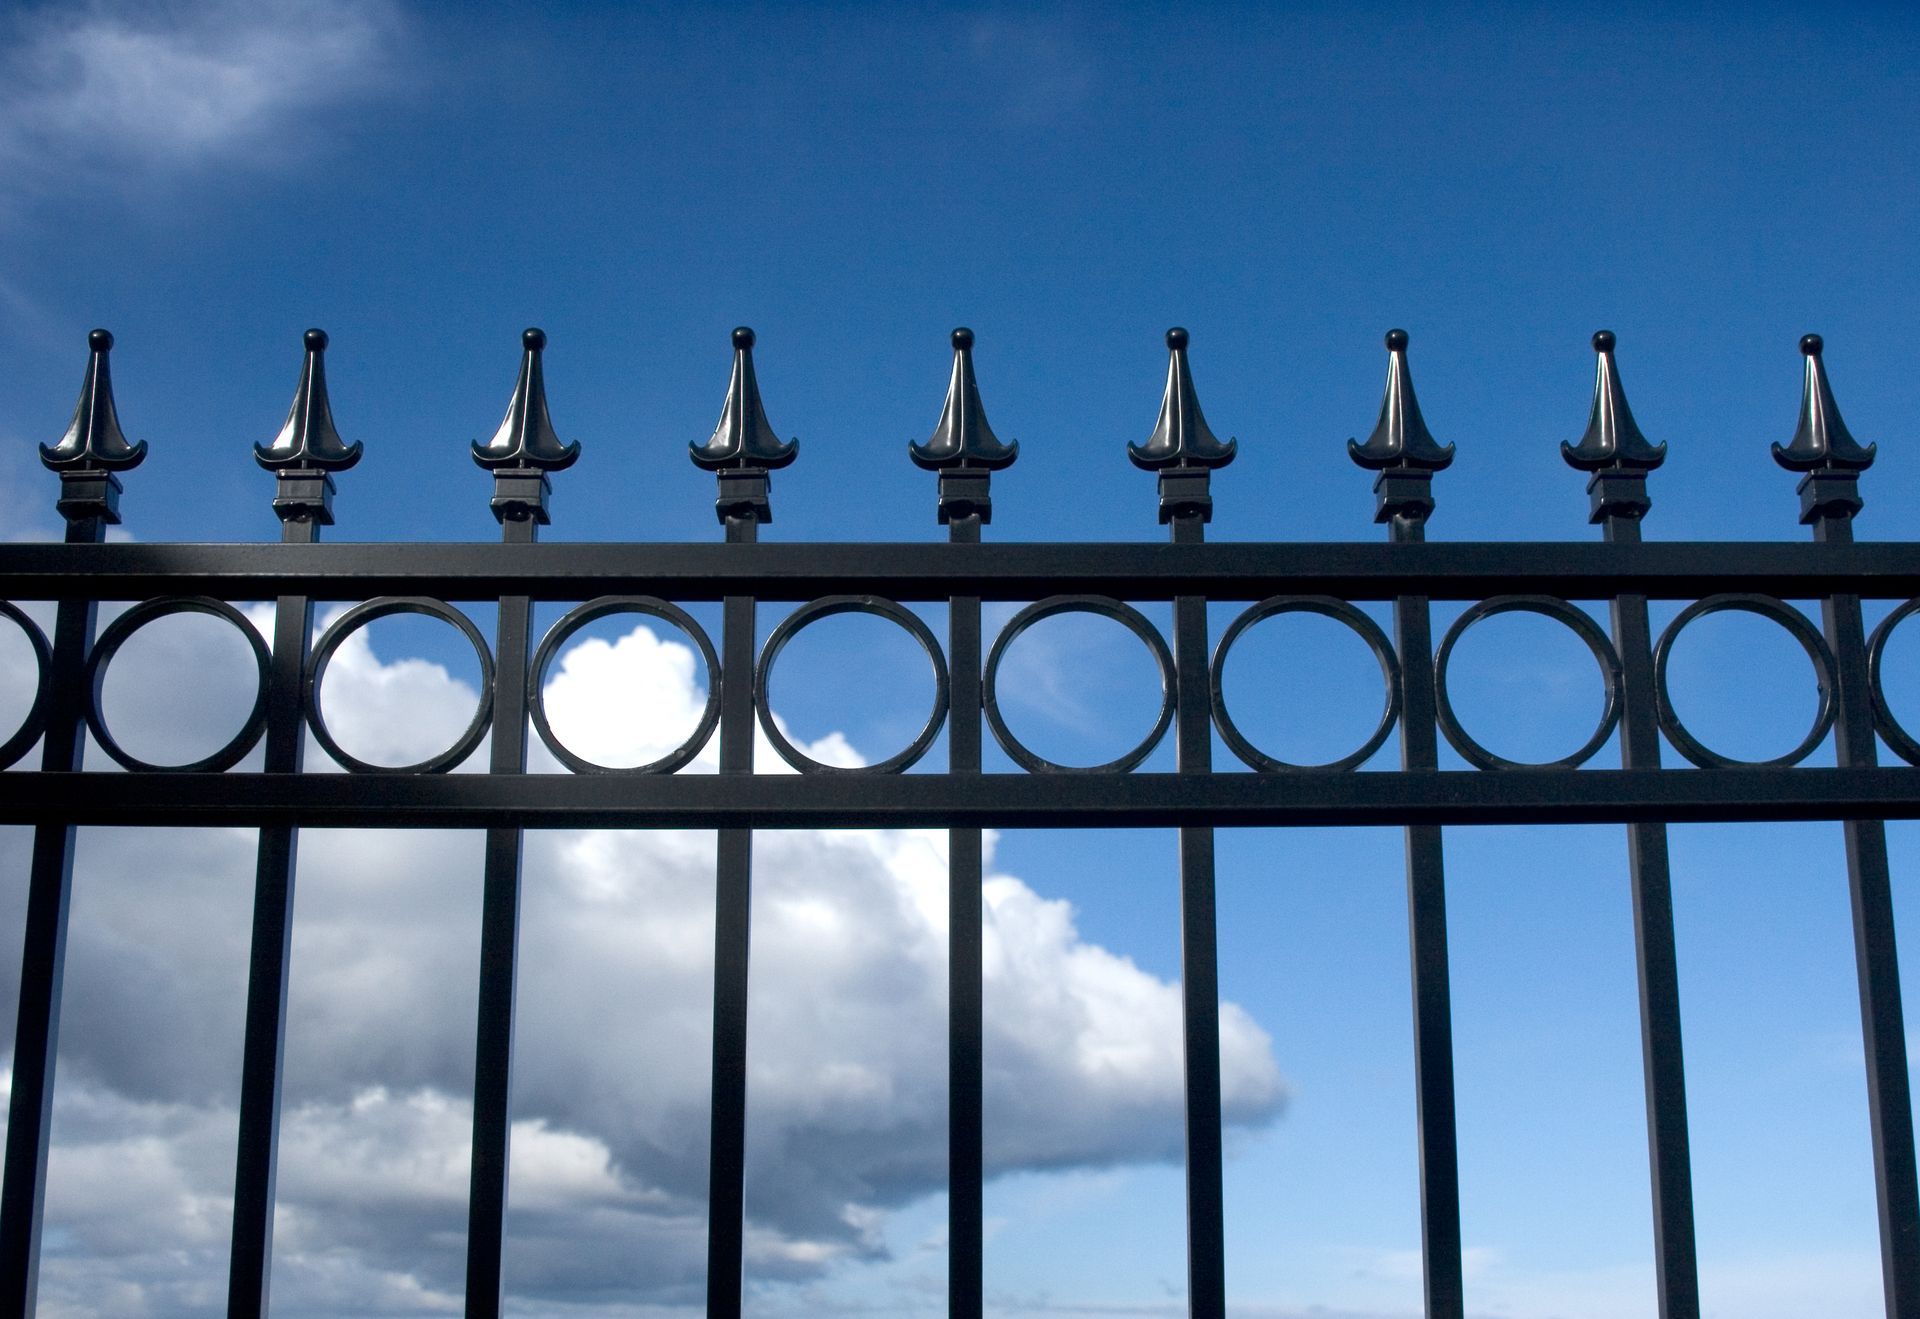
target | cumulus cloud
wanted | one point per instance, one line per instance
(169, 85)
(847, 1068)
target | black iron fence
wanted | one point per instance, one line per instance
(1256, 581)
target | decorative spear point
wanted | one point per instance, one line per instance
(1400, 441)
(526, 438)
(308, 440)
(1821, 443)
(1613, 441)
(94, 441)
(962, 439)
(1181, 437)
(744, 438)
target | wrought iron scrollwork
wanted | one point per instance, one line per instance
(35, 722)
(1546, 606)
(360, 616)
(121, 630)
(1797, 626)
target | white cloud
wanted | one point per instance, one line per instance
(94, 89)
(847, 1098)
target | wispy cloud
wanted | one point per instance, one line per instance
(143, 89)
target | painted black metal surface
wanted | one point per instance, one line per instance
(1234, 586)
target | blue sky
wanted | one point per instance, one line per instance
(207, 180)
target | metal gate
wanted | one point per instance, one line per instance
(1254, 581)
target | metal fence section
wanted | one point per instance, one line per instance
(1256, 581)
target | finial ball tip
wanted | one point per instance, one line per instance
(534, 337)
(743, 336)
(1603, 341)
(99, 341)
(1396, 340)
(316, 340)
(1811, 344)
(1177, 337)
(962, 337)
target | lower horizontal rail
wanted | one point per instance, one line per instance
(1010, 801)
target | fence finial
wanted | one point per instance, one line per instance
(963, 447)
(1613, 449)
(525, 448)
(94, 447)
(962, 437)
(1401, 447)
(308, 438)
(94, 440)
(1181, 437)
(1823, 447)
(1182, 448)
(744, 437)
(1821, 441)
(1400, 438)
(526, 436)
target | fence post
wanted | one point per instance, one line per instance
(1405, 454)
(303, 457)
(1832, 461)
(86, 458)
(965, 452)
(520, 455)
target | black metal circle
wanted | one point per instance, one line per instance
(827, 607)
(592, 612)
(1105, 607)
(121, 630)
(1891, 729)
(358, 617)
(36, 721)
(1797, 626)
(1326, 607)
(1546, 606)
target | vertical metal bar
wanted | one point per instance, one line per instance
(733, 898)
(43, 959)
(966, 1169)
(257, 1160)
(499, 960)
(1199, 961)
(1870, 886)
(1662, 1060)
(1432, 991)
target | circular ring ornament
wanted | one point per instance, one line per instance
(36, 721)
(828, 607)
(121, 630)
(1797, 627)
(1546, 606)
(1326, 607)
(373, 610)
(1102, 606)
(592, 612)
(1903, 743)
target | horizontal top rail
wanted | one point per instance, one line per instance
(922, 571)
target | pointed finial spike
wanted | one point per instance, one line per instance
(1181, 436)
(1400, 440)
(526, 438)
(1612, 441)
(744, 438)
(94, 440)
(1821, 442)
(962, 438)
(308, 439)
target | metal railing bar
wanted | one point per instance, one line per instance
(43, 955)
(966, 1021)
(929, 801)
(1665, 570)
